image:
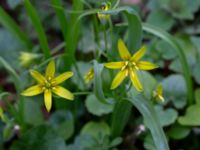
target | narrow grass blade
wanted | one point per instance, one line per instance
(147, 110)
(98, 89)
(120, 117)
(59, 10)
(11, 25)
(134, 24)
(168, 38)
(38, 27)
(12, 73)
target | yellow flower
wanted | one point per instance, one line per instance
(49, 84)
(89, 75)
(129, 66)
(104, 7)
(26, 58)
(158, 93)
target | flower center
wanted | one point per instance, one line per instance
(130, 65)
(49, 83)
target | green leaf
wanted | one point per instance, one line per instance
(74, 27)
(166, 117)
(98, 89)
(161, 18)
(191, 117)
(38, 27)
(169, 39)
(41, 137)
(148, 142)
(120, 117)
(11, 25)
(95, 129)
(197, 96)
(151, 120)
(12, 72)
(196, 72)
(96, 107)
(134, 24)
(166, 50)
(32, 112)
(14, 3)
(175, 90)
(63, 123)
(178, 132)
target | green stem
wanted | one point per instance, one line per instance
(82, 93)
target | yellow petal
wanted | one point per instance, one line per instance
(123, 51)
(37, 76)
(135, 81)
(144, 65)
(33, 90)
(50, 70)
(114, 65)
(119, 78)
(62, 77)
(62, 92)
(48, 99)
(139, 54)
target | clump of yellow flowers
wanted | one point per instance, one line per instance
(49, 84)
(129, 66)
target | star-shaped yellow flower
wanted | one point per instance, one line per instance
(158, 93)
(49, 84)
(129, 66)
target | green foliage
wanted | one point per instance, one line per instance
(38, 27)
(41, 137)
(82, 35)
(188, 118)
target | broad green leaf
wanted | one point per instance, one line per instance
(175, 90)
(32, 112)
(161, 19)
(166, 50)
(148, 82)
(83, 142)
(197, 95)
(38, 27)
(196, 72)
(96, 107)
(96, 129)
(14, 3)
(146, 109)
(169, 39)
(63, 123)
(166, 117)
(11, 25)
(191, 118)
(42, 137)
(178, 132)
